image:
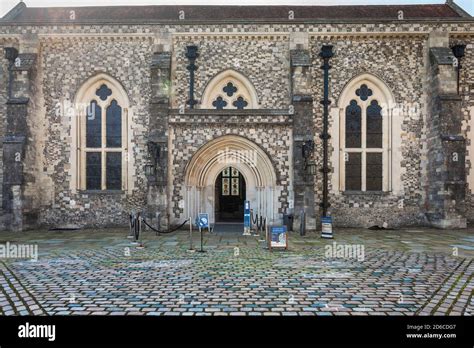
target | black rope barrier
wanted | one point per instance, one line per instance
(169, 230)
(255, 221)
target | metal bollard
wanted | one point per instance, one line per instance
(191, 248)
(261, 229)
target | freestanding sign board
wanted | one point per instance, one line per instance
(278, 238)
(203, 220)
(326, 227)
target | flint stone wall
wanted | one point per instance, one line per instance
(67, 65)
(399, 63)
(265, 62)
(67, 62)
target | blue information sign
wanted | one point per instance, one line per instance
(203, 220)
(278, 237)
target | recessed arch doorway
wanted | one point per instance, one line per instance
(256, 172)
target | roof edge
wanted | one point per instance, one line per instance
(237, 21)
(458, 9)
(14, 12)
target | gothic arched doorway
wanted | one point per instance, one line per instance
(230, 193)
(253, 165)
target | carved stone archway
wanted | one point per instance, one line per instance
(248, 158)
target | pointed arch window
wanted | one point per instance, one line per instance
(229, 90)
(365, 139)
(230, 95)
(103, 138)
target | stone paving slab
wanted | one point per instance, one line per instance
(102, 273)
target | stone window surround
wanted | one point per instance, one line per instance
(215, 87)
(85, 94)
(384, 96)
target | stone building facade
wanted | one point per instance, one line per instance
(108, 110)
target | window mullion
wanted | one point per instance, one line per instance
(388, 153)
(125, 154)
(80, 150)
(103, 149)
(363, 147)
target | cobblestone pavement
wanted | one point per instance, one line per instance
(92, 272)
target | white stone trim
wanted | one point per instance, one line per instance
(381, 93)
(97, 36)
(182, 36)
(84, 96)
(244, 88)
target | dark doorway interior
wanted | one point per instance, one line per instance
(230, 196)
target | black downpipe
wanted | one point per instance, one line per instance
(326, 54)
(191, 54)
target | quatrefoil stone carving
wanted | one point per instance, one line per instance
(103, 92)
(219, 103)
(230, 89)
(364, 92)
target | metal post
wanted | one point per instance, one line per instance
(326, 54)
(266, 236)
(191, 247)
(191, 54)
(260, 229)
(200, 231)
